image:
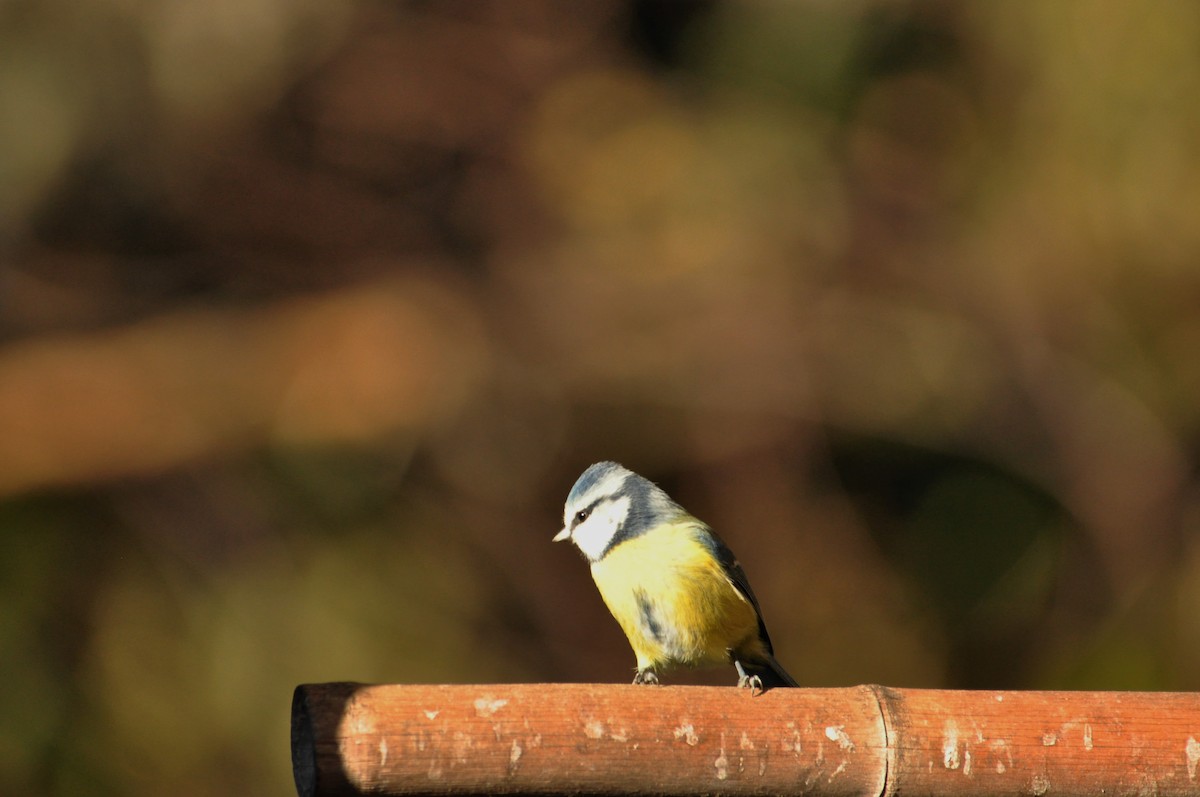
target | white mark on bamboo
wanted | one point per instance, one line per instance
(382, 752)
(432, 714)
(744, 744)
(621, 735)
(721, 764)
(593, 729)
(486, 707)
(950, 759)
(1049, 739)
(967, 761)
(1087, 736)
(1192, 751)
(837, 733)
(534, 739)
(791, 744)
(514, 756)
(1039, 785)
(463, 745)
(687, 733)
(747, 743)
(1000, 747)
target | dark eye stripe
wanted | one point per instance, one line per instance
(584, 513)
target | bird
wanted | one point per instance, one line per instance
(673, 586)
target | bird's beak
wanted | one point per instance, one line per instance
(565, 534)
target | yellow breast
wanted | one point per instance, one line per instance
(673, 600)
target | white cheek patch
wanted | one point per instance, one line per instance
(609, 485)
(593, 535)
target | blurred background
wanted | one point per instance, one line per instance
(311, 313)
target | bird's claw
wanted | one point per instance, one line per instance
(751, 682)
(747, 681)
(646, 677)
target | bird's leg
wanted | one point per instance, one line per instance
(746, 681)
(646, 676)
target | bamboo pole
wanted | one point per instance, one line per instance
(350, 739)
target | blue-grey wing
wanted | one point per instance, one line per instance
(735, 574)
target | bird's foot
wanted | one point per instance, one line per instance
(646, 677)
(747, 681)
(751, 682)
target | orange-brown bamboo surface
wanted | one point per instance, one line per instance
(864, 740)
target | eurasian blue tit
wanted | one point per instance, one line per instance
(676, 590)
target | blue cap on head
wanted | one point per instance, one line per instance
(593, 476)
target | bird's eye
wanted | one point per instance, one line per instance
(582, 515)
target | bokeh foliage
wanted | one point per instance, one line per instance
(311, 313)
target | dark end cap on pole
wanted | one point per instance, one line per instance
(304, 754)
(317, 714)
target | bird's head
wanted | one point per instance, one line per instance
(610, 503)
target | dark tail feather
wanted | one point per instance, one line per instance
(769, 672)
